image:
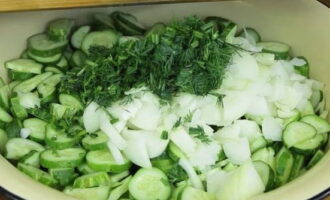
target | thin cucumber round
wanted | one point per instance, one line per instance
(53, 69)
(266, 174)
(17, 109)
(95, 193)
(190, 193)
(66, 158)
(70, 101)
(309, 146)
(150, 184)
(32, 158)
(92, 180)
(315, 159)
(279, 49)
(298, 164)
(18, 147)
(106, 38)
(64, 176)
(78, 58)
(321, 125)
(250, 34)
(102, 21)
(59, 29)
(38, 175)
(62, 63)
(19, 76)
(85, 169)
(297, 132)
(24, 65)
(174, 152)
(58, 139)
(130, 21)
(79, 35)
(46, 60)
(37, 127)
(95, 141)
(5, 116)
(102, 160)
(283, 165)
(41, 45)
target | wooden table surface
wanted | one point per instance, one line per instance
(11, 5)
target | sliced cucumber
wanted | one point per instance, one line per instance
(279, 49)
(297, 132)
(58, 139)
(78, 58)
(96, 193)
(3, 141)
(79, 35)
(32, 83)
(190, 193)
(41, 45)
(92, 180)
(18, 147)
(283, 166)
(70, 101)
(40, 113)
(266, 155)
(95, 141)
(62, 63)
(129, 20)
(45, 60)
(13, 128)
(102, 160)
(150, 184)
(119, 191)
(85, 169)
(32, 158)
(251, 35)
(321, 125)
(266, 174)
(59, 29)
(54, 70)
(156, 29)
(37, 127)
(18, 110)
(118, 177)
(24, 65)
(5, 116)
(102, 21)
(298, 164)
(302, 69)
(64, 176)
(37, 174)
(19, 76)
(66, 158)
(257, 144)
(58, 110)
(315, 159)
(106, 38)
(4, 96)
(309, 146)
(174, 152)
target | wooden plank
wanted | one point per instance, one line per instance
(23, 5)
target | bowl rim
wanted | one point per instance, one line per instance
(320, 196)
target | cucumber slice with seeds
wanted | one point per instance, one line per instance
(321, 125)
(38, 175)
(59, 29)
(71, 101)
(102, 160)
(92, 180)
(32, 158)
(57, 139)
(64, 176)
(66, 158)
(41, 45)
(283, 165)
(24, 65)
(37, 127)
(79, 35)
(95, 141)
(106, 38)
(46, 60)
(96, 193)
(315, 159)
(149, 184)
(309, 146)
(279, 49)
(297, 132)
(18, 147)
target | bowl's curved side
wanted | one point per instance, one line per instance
(303, 24)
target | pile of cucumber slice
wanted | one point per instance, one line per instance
(42, 131)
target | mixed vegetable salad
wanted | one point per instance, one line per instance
(190, 110)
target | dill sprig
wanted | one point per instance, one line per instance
(189, 56)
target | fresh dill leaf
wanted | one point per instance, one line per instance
(189, 56)
(164, 135)
(176, 174)
(177, 123)
(188, 117)
(199, 133)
